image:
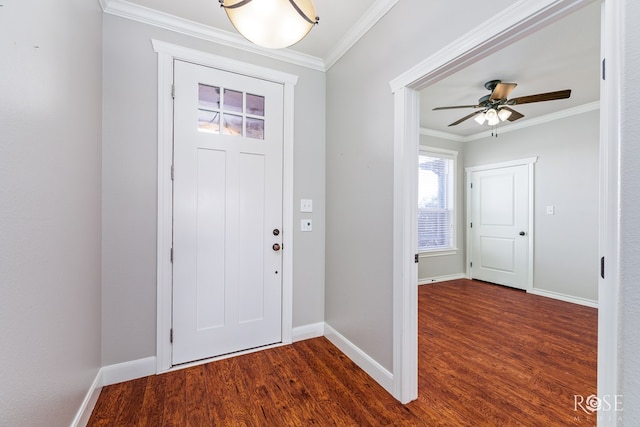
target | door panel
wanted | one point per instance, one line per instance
(252, 238)
(496, 200)
(210, 250)
(500, 218)
(227, 284)
(497, 253)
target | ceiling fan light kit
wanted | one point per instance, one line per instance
(492, 117)
(496, 107)
(273, 24)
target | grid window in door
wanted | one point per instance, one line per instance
(436, 214)
(230, 112)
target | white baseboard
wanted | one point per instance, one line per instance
(108, 375)
(306, 332)
(360, 358)
(127, 371)
(84, 413)
(441, 278)
(563, 297)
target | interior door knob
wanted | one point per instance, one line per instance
(276, 247)
(522, 233)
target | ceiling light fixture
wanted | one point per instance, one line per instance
(273, 24)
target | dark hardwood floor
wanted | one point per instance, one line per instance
(488, 356)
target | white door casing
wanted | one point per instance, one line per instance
(227, 208)
(500, 226)
(167, 54)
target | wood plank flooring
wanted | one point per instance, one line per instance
(488, 356)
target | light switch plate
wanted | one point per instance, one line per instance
(306, 225)
(551, 210)
(306, 205)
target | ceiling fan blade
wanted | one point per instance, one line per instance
(502, 91)
(514, 114)
(465, 118)
(549, 96)
(456, 106)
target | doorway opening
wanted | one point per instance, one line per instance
(512, 26)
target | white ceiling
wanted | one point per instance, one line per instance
(563, 55)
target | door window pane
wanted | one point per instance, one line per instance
(233, 101)
(208, 97)
(255, 105)
(209, 121)
(232, 125)
(255, 128)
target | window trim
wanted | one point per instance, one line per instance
(424, 150)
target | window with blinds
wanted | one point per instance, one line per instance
(436, 201)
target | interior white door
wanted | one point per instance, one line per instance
(227, 263)
(499, 225)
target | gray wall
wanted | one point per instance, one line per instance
(434, 267)
(566, 177)
(129, 185)
(360, 163)
(50, 75)
(629, 314)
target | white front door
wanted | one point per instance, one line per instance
(227, 263)
(499, 225)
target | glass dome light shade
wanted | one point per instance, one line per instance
(480, 118)
(273, 24)
(504, 114)
(492, 117)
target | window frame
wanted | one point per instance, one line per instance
(453, 190)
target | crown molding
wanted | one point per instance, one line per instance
(443, 135)
(358, 30)
(563, 114)
(145, 15)
(159, 19)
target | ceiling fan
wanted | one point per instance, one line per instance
(496, 106)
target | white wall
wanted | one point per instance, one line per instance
(629, 314)
(360, 163)
(129, 185)
(50, 75)
(566, 258)
(444, 266)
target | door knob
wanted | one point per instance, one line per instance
(276, 231)
(276, 247)
(522, 233)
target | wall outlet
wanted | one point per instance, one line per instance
(306, 225)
